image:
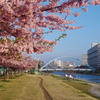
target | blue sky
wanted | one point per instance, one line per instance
(77, 41)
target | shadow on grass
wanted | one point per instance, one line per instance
(9, 79)
(1, 86)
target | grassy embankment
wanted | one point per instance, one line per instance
(78, 84)
(27, 87)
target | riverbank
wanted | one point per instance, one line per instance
(86, 77)
(90, 88)
(90, 73)
(40, 87)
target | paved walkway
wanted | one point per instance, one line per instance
(95, 89)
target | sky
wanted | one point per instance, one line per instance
(77, 41)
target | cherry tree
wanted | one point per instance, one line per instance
(25, 20)
(23, 24)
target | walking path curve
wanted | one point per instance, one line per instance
(46, 94)
(95, 89)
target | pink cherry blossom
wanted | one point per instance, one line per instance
(77, 14)
(26, 21)
(84, 9)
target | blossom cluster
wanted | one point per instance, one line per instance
(25, 20)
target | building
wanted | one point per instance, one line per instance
(93, 44)
(59, 64)
(84, 59)
(94, 55)
(56, 64)
(68, 64)
(40, 64)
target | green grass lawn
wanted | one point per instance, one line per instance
(81, 85)
(27, 87)
(21, 88)
(61, 91)
(84, 87)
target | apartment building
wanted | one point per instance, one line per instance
(94, 55)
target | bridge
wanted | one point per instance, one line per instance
(90, 68)
(66, 69)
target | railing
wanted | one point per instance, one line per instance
(65, 69)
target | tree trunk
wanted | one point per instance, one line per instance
(15, 73)
(5, 74)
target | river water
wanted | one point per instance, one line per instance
(91, 78)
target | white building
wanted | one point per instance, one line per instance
(58, 63)
(84, 59)
(68, 64)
